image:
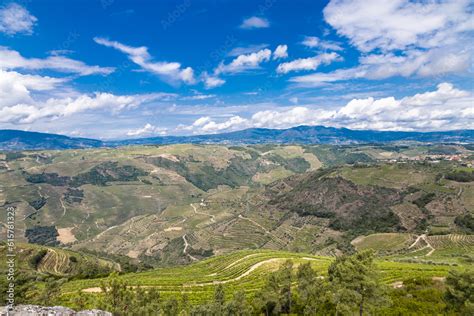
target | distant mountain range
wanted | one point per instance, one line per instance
(22, 140)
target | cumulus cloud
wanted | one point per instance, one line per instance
(445, 108)
(207, 125)
(211, 81)
(148, 130)
(316, 42)
(16, 19)
(311, 63)
(10, 59)
(254, 22)
(21, 100)
(280, 52)
(382, 66)
(245, 62)
(171, 72)
(54, 108)
(398, 24)
(16, 88)
(400, 38)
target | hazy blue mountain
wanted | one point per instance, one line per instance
(309, 135)
(21, 140)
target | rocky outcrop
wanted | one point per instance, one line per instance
(35, 310)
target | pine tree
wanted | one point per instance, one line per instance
(313, 292)
(285, 275)
(238, 306)
(459, 295)
(355, 283)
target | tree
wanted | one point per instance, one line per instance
(268, 299)
(51, 292)
(184, 304)
(238, 306)
(117, 296)
(80, 300)
(313, 292)
(285, 274)
(145, 301)
(355, 283)
(171, 307)
(459, 295)
(219, 300)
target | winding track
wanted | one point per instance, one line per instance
(428, 245)
(237, 278)
(202, 213)
(63, 206)
(185, 250)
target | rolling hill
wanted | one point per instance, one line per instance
(164, 205)
(183, 219)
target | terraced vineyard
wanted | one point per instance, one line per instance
(383, 242)
(58, 262)
(243, 270)
(151, 202)
(448, 249)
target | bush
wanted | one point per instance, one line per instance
(466, 222)
(460, 176)
(36, 259)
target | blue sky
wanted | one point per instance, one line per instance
(121, 69)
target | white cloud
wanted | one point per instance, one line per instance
(206, 125)
(446, 108)
(246, 62)
(21, 100)
(254, 22)
(16, 19)
(311, 63)
(147, 130)
(55, 108)
(399, 38)
(280, 52)
(294, 100)
(242, 50)
(199, 97)
(171, 72)
(16, 88)
(10, 59)
(316, 42)
(399, 24)
(202, 121)
(211, 82)
(381, 66)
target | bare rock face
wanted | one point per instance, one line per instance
(35, 310)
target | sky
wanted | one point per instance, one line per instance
(116, 69)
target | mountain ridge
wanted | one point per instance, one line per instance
(25, 140)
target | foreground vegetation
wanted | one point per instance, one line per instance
(278, 283)
(266, 282)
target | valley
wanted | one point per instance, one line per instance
(168, 204)
(183, 219)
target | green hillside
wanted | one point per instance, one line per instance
(57, 262)
(164, 205)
